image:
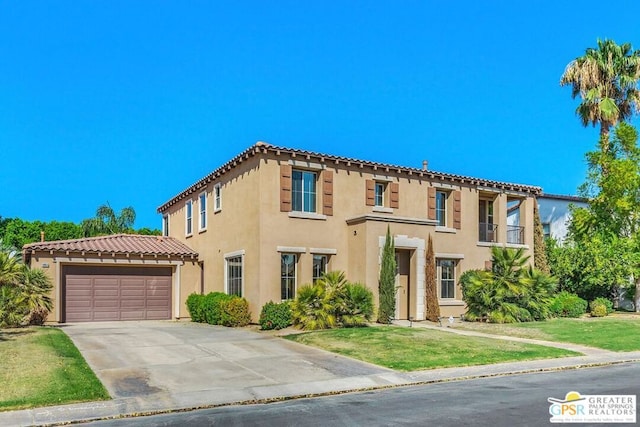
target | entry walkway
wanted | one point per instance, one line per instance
(156, 367)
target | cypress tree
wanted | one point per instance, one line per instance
(539, 253)
(431, 285)
(387, 283)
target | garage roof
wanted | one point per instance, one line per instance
(117, 244)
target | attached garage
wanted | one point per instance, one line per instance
(116, 293)
(117, 277)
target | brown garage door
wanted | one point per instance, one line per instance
(94, 294)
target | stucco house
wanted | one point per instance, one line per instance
(273, 219)
(555, 213)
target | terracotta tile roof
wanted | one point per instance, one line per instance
(117, 244)
(264, 148)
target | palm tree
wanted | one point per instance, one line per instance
(10, 267)
(606, 78)
(107, 222)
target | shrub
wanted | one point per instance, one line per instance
(234, 311)
(275, 315)
(597, 309)
(195, 306)
(566, 304)
(357, 307)
(212, 308)
(603, 301)
(313, 308)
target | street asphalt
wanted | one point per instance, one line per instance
(158, 367)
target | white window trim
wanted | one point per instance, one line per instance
(439, 278)
(295, 275)
(165, 225)
(228, 255)
(383, 186)
(291, 249)
(206, 219)
(446, 208)
(188, 232)
(323, 251)
(217, 198)
(307, 215)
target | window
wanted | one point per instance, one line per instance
(447, 278)
(546, 230)
(288, 276)
(303, 191)
(217, 198)
(485, 221)
(234, 275)
(188, 217)
(165, 225)
(379, 194)
(441, 208)
(319, 266)
(203, 211)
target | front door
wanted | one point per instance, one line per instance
(403, 293)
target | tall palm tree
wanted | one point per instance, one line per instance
(107, 222)
(606, 78)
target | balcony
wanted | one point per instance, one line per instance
(488, 232)
(515, 234)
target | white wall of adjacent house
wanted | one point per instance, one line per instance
(555, 215)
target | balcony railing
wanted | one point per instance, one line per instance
(488, 232)
(515, 234)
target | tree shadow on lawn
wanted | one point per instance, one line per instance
(11, 334)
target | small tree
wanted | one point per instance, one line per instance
(539, 251)
(431, 285)
(387, 283)
(107, 222)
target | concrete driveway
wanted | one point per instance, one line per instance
(183, 364)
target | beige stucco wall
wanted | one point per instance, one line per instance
(251, 221)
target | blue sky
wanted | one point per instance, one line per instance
(130, 102)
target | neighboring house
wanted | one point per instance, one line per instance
(555, 213)
(273, 219)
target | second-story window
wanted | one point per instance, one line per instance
(441, 208)
(203, 211)
(217, 197)
(165, 225)
(485, 221)
(303, 191)
(379, 193)
(188, 213)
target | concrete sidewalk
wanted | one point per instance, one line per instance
(300, 385)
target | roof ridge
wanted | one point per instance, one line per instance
(95, 238)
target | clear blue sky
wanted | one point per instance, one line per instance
(130, 102)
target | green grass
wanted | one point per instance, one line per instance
(410, 349)
(40, 366)
(614, 332)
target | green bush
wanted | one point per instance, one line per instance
(597, 309)
(275, 315)
(217, 308)
(357, 308)
(565, 304)
(603, 301)
(512, 291)
(234, 311)
(212, 309)
(195, 306)
(332, 301)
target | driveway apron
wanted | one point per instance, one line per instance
(154, 358)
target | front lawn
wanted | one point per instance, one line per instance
(40, 366)
(617, 332)
(410, 349)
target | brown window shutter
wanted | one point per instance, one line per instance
(457, 207)
(327, 192)
(431, 203)
(285, 188)
(370, 192)
(394, 200)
